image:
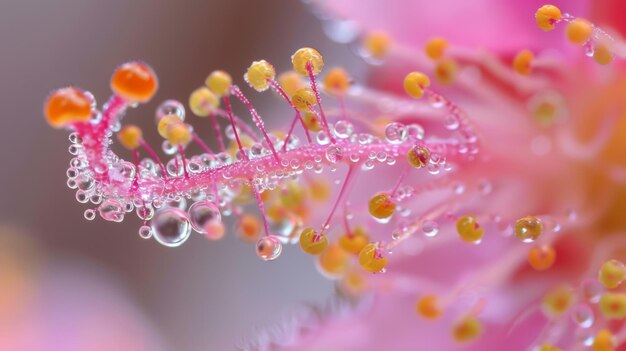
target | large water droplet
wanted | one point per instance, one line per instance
(395, 133)
(111, 210)
(334, 154)
(170, 227)
(203, 213)
(269, 248)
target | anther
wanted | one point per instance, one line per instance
(130, 137)
(258, 75)
(415, 83)
(134, 82)
(522, 63)
(546, 16)
(305, 56)
(377, 44)
(66, 106)
(435, 48)
(219, 82)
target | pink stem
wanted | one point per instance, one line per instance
(136, 177)
(344, 186)
(282, 93)
(218, 132)
(259, 202)
(229, 111)
(309, 68)
(346, 225)
(257, 119)
(403, 175)
(293, 124)
(202, 144)
(239, 123)
(344, 110)
(181, 150)
(154, 156)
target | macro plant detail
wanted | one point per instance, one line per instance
(444, 178)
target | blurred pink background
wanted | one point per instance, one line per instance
(78, 285)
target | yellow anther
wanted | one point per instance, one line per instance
(134, 81)
(354, 283)
(66, 106)
(292, 196)
(541, 257)
(258, 75)
(546, 16)
(219, 82)
(130, 137)
(305, 56)
(612, 274)
(165, 122)
(312, 242)
(311, 121)
(372, 259)
(528, 228)
(415, 83)
(202, 102)
(435, 48)
(356, 242)
(377, 44)
(522, 63)
(178, 134)
(303, 99)
(602, 54)
(290, 81)
(334, 261)
(445, 71)
(579, 31)
(469, 230)
(319, 189)
(549, 347)
(613, 305)
(428, 307)
(604, 341)
(380, 206)
(467, 329)
(249, 227)
(337, 81)
(557, 301)
(418, 156)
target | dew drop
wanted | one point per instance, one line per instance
(582, 315)
(145, 232)
(268, 248)
(202, 214)
(170, 227)
(395, 133)
(90, 214)
(430, 228)
(334, 154)
(170, 107)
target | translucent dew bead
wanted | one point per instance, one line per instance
(202, 214)
(130, 137)
(303, 99)
(613, 305)
(435, 48)
(66, 106)
(313, 243)
(541, 257)
(377, 44)
(203, 102)
(170, 226)
(469, 230)
(612, 274)
(415, 83)
(258, 75)
(528, 228)
(428, 307)
(219, 82)
(546, 16)
(355, 242)
(380, 206)
(305, 56)
(467, 329)
(522, 63)
(134, 81)
(268, 248)
(418, 156)
(371, 258)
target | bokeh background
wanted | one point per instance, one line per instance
(70, 284)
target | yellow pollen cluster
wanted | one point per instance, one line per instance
(303, 99)
(371, 259)
(469, 230)
(203, 102)
(613, 305)
(377, 44)
(311, 121)
(135, 82)
(66, 106)
(528, 228)
(334, 261)
(436, 47)
(522, 63)
(557, 301)
(381, 206)
(428, 307)
(305, 56)
(602, 54)
(219, 82)
(546, 16)
(578, 31)
(445, 71)
(290, 81)
(612, 274)
(130, 137)
(604, 341)
(313, 243)
(355, 242)
(415, 83)
(258, 75)
(549, 347)
(541, 257)
(165, 122)
(467, 329)
(337, 81)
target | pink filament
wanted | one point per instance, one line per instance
(282, 93)
(232, 123)
(218, 132)
(309, 68)
(154, 157)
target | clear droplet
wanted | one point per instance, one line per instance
(334, 154)
(430, 228)
(170, 107)
(170, 227)
(269, 248)
(90, 214)
(343, 129)
(202, 214)
(111, 210)
(145, 232)
(395, 133)
(583, 316)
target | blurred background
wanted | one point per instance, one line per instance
(70, 284)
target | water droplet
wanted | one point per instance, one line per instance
(395, 133)
(170, 227)
(145, 232)
(322, 138)
(415, 131)
(592, 290)
(90, 214)
(583, 316)
(111, 210)
(334, 154)
(202, 214)
(145, 212)
(451, 122)
(168, 148)
(170, 107)
(268, 248)
(430, 228)
(343, 129)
